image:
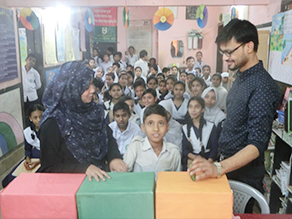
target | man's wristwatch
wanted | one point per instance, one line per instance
(219, 168)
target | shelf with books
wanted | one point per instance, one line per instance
(279, 171)
(287, 138)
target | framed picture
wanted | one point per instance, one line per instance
(191, 12)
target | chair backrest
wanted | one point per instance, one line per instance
(242, 193)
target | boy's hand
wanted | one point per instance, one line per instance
(118, 165)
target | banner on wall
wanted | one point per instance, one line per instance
(280, 57)
(105, 29)
(22, 45)
(8, 63)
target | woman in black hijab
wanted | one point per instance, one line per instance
(73, 133)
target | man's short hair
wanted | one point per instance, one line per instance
(139, 82)
(242, 30)
(117, 64)
(31, 55)
(190, 57)
(143, 53)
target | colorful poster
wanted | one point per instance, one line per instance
(69, 45)
(75, 38)
(277, 32)
(50, 45)
(105, 21)
(50, 74)
(286, 58)
(82, 37)
(8, 63)
(60, 44)
(11, 126)
(22, 45)
(280, 57)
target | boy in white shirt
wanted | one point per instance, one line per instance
(152, 153)
(31, 82)
(123, 129)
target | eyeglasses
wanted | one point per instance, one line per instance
(228, 54)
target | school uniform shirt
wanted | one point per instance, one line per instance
(138, 108)
(144, 65)
(100, 98)
(193, 71)
(131, 59)
(178, 113)
(124, 138)
(207, 81)
(222, 95)
(169, 95)
(123, 65)
(105, 66)
(135, 118)
(174, 134)
(142, 115)
(97, 61)
(140, 157)
(31, 82)
(199, 65)
(209, 141)
(32, 145)
(127, 91)
(108, 105)
(111, 59)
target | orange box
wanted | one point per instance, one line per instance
(41, 195)
(178, 196)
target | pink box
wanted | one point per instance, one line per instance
(41, 195)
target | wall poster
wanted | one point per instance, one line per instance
(8, 58)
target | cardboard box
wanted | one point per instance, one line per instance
(125, 195)
(177, 196)
(41, 195)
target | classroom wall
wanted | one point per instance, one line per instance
(179, 31)
(136, 13)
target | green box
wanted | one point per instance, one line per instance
(125, 195)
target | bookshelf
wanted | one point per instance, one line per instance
(278, 168)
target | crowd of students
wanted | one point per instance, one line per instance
(194, 100)
(159, 120)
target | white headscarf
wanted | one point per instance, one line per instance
(213, 114)
(167, 105)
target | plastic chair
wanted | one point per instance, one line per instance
(242, 193)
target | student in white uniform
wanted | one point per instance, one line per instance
(222, 92)
(197, 86)
(200, 136)
(123, 129)
(174, 134)
(179, 103)
(115, 92)
(139, 88)
(123, 81)
(170, 81)
(152, 153)
(206, 74)
(131, 58)
(106, 63)
(138, 74)
(134, 117)
(96, 58)
(149, 97)
(212, 112)
(31, 82)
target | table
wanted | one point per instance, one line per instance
(264, 216)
